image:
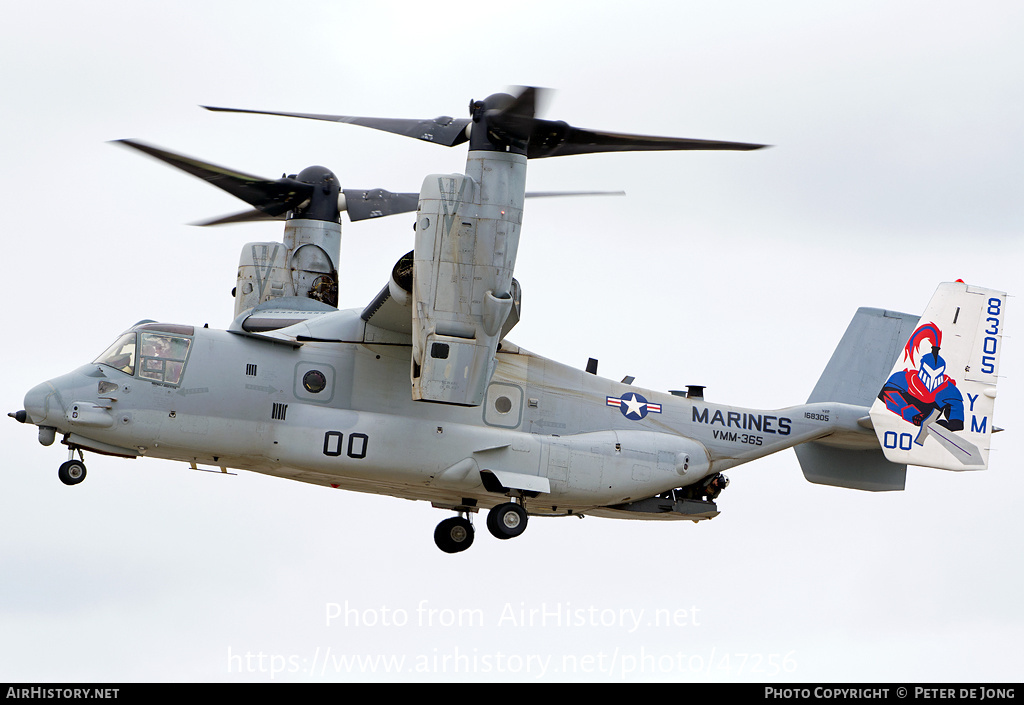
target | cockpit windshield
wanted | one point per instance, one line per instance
(158, 356)
(120, 355)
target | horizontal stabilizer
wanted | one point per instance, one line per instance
(854, 469)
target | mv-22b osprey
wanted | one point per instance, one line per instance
(420, 394)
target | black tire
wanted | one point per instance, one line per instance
(72, 472)
(506, 521)
(454, 535)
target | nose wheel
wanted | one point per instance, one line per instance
(73, 471)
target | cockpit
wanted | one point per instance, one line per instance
(156, 352)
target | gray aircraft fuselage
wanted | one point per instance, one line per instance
(340, 414)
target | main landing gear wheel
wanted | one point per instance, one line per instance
(454, 535)
(506, 521)
(72, 472)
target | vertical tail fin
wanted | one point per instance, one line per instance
(935, 409)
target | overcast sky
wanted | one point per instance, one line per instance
(897, 163)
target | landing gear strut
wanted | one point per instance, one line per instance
(454, 535)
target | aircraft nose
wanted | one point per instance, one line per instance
(35, 402)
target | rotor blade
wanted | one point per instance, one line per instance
(517, 119)
(377, 203)
(525, 104)
(361, 204)
(243, 217)
(442, 130)
(551, 138)
(270, 197)
(547, 194)
(555, 138)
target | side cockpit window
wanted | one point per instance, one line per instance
(120, 355)
(154, 351)
(162, 357)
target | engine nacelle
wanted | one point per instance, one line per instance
(467, 237)
(305, 264)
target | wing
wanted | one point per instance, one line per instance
(391, 309)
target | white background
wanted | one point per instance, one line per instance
(897, 164)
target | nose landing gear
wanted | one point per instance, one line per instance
(73, 471)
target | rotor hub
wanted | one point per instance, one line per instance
(322, 203)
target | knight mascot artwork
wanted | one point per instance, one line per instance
(917, 391)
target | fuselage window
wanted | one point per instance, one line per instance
(162, 357)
